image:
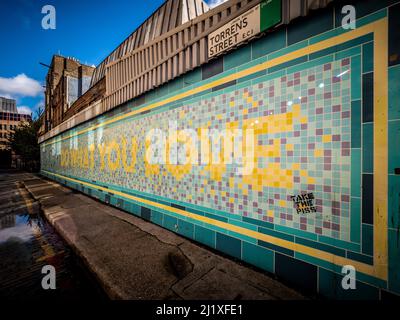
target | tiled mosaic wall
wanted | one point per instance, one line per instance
(306, 207)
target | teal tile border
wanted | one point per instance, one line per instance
(248, 223)
(338, 269)
(208, 237)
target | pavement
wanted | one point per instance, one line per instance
(28, 243)
(135, 259)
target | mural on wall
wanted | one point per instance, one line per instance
(300, 131)
(280, 160)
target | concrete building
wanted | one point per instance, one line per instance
(9, 120)
(66, 81)
(302, 175)
(8, 105)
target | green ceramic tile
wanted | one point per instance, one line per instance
(327, 35)
(243, 224)
(253, 76)
(312, 26)
(366, 11)
(368, 147)
(296, 232)
(360, 257)
(310, 64)
(394, 201)
(394, 92)
(175, 85)
(356, 172)
(237, 57)
(356, 124)
(276, 234)
(371, 280)
(289, 49)
(269, 43)
(186, 229)
(330, 286)
(192, 77)
(394, 261)
(204, 236)
(348, 53)
(368, 57)
(371, 12)
(318, 262)
(287, 64)
(258, 256)
(356, 78)
(394, 145)
(355, 223)
(367, 239)
(229, 245)
(339, 243)
(157, 217)
(170, 222)
(321, 246)
(258, 222)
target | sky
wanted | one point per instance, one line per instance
(86, 29)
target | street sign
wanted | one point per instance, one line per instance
(263, 16)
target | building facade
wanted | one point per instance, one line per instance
(267, 130)
(66, 81)
(10, 119)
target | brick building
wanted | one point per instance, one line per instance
(66, 81)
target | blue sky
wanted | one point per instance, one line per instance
(87, 29)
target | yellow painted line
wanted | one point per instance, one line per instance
(27, 201)
(46, 247)
(338, 260)
(279, 60)
(381, 147)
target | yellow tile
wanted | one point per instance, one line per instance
(318, 153)
(282, 203)
(327, 138)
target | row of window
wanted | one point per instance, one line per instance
(14, 116)
(8, 127)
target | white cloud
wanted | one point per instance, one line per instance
(20, 85)
(214, 3)
(24, 110)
